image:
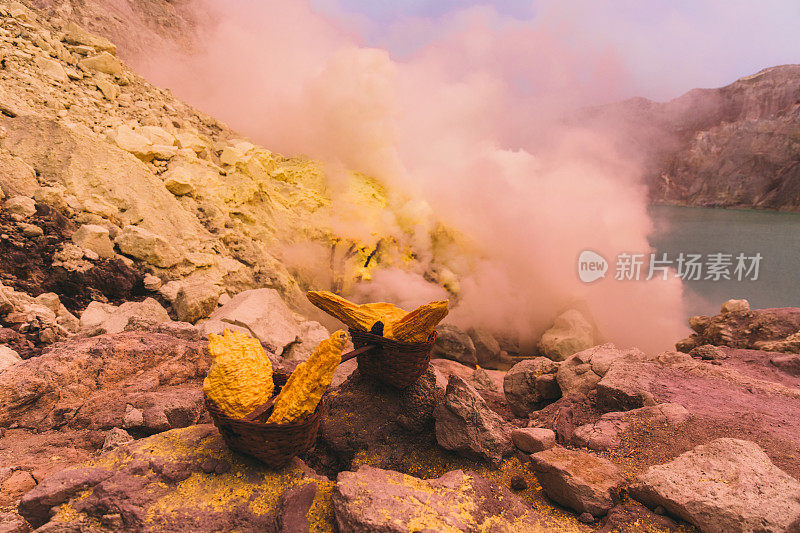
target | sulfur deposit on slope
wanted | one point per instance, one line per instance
(181, 194)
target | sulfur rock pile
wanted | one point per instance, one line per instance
(240, 378)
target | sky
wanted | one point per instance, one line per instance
(667, 46)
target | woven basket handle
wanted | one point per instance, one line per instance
(358, 351)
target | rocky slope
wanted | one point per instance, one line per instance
(113, 187)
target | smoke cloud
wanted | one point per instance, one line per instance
(471, 124)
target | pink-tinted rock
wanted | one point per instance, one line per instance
(372, 499)
(578, 480)
(726, 486)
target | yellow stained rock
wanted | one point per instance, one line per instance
(417, 325)
(305, 387)
(240, 377)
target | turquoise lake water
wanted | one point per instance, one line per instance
(776, 236)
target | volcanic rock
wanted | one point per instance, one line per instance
(728, 485)
(311, 334)
(147, 246)
(195, 300)
(20, 205)
(487, 349)
(571, 333)
(263, 313)
(74, 34)
(526, 388)
(367, 419)
(102, 62)
(101, 318)
(604, 434)
(8, 357)
(581, 372)
(735, 306)
(372, 499)
(532, 440)
(453, 343)
(87, 383)
(578, 480)
(624, 387)
(466, 425)
(95, 238)
(758, 329)
(14, 486)
(17, 178)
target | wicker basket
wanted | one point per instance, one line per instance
(272, 444)
(395, 363)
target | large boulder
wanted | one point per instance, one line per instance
(184, 479)
(103, 62)
(488, 383)
(14, 486)
(88, 383)
(581, 372)
(196, 299)
(393, 429)
(453, 343)
(147, 246)
(52, 69)
(625, 387)
(372, 499)
(532, 440)
(8, 357)
(605, 433)
(20, 205)
(95, 238)
(727, 485)
(74, 34)
(487, 349)
(578, 480)
(99, 318)
(311, 334)
(17, 178)
(737, 326)
(263, 313)
(529, 384)
(571, 333)
(466, 425)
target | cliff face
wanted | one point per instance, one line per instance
(736, 146)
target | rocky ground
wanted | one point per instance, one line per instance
(105, 430)
(132, 226)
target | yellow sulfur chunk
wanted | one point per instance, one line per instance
(417, 325)
(305, 387)
(240, 377)
(355, 316)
